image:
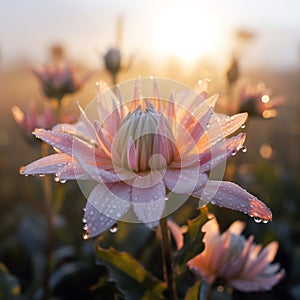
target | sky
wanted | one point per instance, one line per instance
(188, 30)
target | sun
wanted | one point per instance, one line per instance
(186, 31)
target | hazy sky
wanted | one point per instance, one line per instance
(186, 29)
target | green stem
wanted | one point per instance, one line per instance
(48, 192)
(167, 259)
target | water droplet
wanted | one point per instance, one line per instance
(85, 236)
(244, 149)
(213, 202)
(42, 175)
(257, 220)
(243, 126)
(265, 221)
(85, 227)
(84, 220)
(63, 180)
(56, 179)
(84, 209)
(208, 125)
(234, 152)
(166, 198)
(114, 228)
(26, 175)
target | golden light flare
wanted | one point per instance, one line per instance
(266, 151)
(184, 33)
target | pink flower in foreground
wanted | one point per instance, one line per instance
(145, 148)
(238, 261)
(256, 100)
(58, 80)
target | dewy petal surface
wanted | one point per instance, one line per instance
(151, 145)
(149, 203)
(230, 195)
(106, 204)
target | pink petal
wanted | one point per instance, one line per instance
(184, 181)
(258, 283)
(237, 227)
(106, 205)
(176, 233)
(219, 129)
(219, 152)
(258, 265)
(60, 140)
(51, 164)
(230, 195)
(149, 203)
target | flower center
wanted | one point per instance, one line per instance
(145, 141)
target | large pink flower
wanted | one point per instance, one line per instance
(140, 150)
(238, 261)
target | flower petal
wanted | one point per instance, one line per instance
(149, 203)
(230, 195)
(51, 164)
(219, 152)
(176, 233)
(184, 181)
(106, 205)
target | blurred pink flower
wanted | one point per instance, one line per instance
(59, 79)
(238, 261)
(144, 148)
(34, 118)
(255, 100)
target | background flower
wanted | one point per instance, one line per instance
(238, 261)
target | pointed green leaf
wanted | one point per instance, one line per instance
(193, 293)
(122, 264)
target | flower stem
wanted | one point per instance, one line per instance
(47, 186)
(167, 259)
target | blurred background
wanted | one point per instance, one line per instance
(226, 41)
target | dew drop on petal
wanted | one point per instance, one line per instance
(114, 228)
(85, 236)
(243, 126)
(234, 152)
(213, 202)
(42, 175)
(257, 220)
(244, 149)
(56, 179)
(265, 221)
(85, 227)
(84, 220)
(166, 198)
(62, 180)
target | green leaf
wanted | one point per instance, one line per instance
(193, 244)
(9, 285)
(127, 272)
(193, 292)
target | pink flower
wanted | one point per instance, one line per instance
(142, 150)
(235, 259)
(32, 118)
(58, 80)
(256, 100)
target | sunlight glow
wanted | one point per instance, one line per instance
(186, 32)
